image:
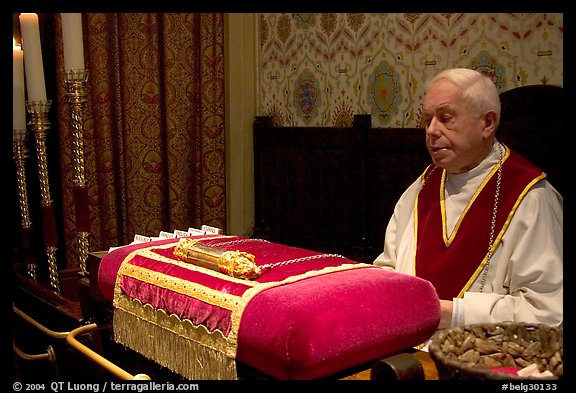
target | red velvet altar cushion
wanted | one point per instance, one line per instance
(323, 324)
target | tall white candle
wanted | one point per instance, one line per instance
(33, 65)
(18, 96)
(72, 40)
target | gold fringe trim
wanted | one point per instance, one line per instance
(191, 351)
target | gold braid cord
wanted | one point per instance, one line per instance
(236, 264)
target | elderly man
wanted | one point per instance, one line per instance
(482, 224)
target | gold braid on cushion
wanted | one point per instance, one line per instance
(237, 264)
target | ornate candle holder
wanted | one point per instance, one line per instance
(39, 123)
(76, 86)
(20, 151)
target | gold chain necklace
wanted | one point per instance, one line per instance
(493, 224)
(269, 266)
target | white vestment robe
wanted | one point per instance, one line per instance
(524, 281)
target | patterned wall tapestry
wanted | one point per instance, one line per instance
(321, 69)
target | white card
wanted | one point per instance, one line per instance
(141, 239)
(209, 229)
(166, 235)
(180, 233)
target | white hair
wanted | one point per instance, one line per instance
(477, 89)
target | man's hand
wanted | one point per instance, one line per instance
(445, 314)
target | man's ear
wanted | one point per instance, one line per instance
(489, 119)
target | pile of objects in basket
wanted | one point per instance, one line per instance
(499, 351)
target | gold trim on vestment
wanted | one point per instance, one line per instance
(500, 235)
(448, 240)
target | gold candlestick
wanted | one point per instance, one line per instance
(20, 151)
(39, 123)
(76, 85)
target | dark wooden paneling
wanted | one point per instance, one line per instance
(395, 158)
(532, 123)
(308, 184)
(332, 189)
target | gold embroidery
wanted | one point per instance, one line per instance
(184, 287)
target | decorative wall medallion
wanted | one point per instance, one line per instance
(384, 91)
(307, 95)
(488, 65)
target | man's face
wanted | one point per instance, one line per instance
(454, 130)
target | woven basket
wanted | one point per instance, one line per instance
(482, 351)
